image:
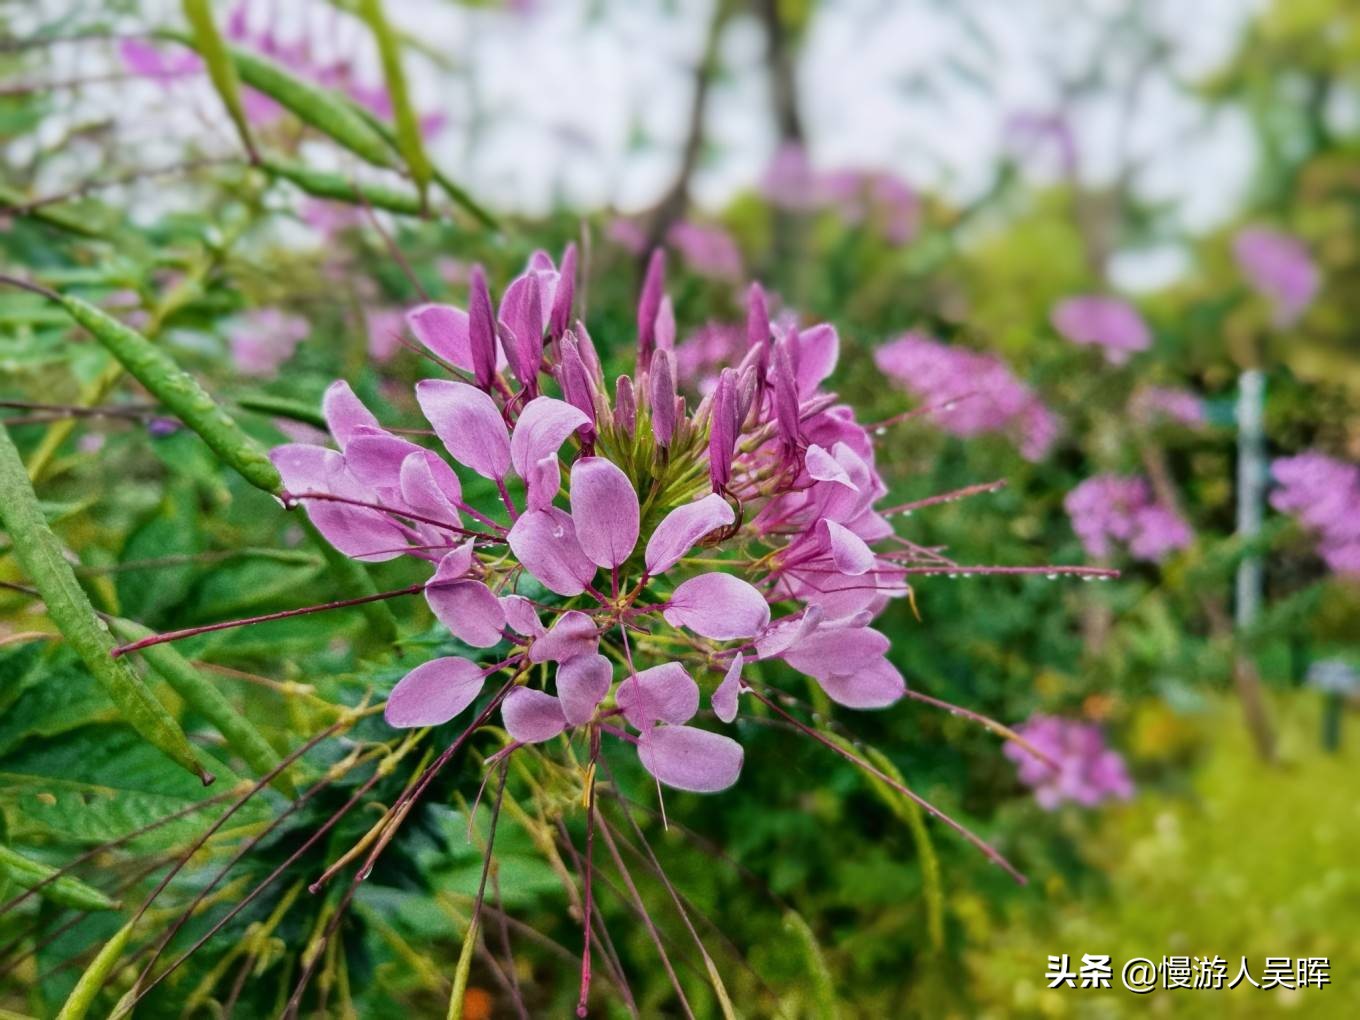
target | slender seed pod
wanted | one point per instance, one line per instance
(65, 890)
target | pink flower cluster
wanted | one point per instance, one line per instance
(1081, 768)
(147, 61)
(859, 196)
(1324, 494)
(1150, 405)
(971, 393)
(264, 339)
(646, 560)
(1105, 322)
(1108, 511)
(1280, 268)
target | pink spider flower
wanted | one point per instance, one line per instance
(1105, 322)
(1324, 494)
(637, 553)
(707, 249)
(1080, 768)
(970, 393)
(1280, 269)
(1110, 511)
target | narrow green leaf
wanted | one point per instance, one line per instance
(824, 1005)
(40, 554)
(210, 45)
(311, 104)
(341, 189)
(282, 407)
(409, 141)
(204, 697)
(65, 889)
(88, 987)
(460, 974)
(910, 812)
(180, 392)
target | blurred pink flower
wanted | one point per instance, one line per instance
(1151, 404)
(972, 393)
(1105, 322)
(707, 249)
(385, 327)
(264, 339)
(1108, 511)
(1088, 772)
(1324, 494)
(1280, 268)
(876, 197)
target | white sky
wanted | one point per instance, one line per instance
(586, 100)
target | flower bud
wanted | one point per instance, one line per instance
(661, 391)
(625, 406)
(481, 330)
(649, 304)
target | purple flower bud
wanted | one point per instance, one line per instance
(481, 330)
(649, 304)
(574, 378)
(757, 316)
(665, 325)
(661, 377)
(786, 392)
(625, 405)
(586, 346)
(560, 318)
(723, 428)
(747, 385)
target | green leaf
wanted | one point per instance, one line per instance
(65, 890)
(179, 391)
(44, 702)
(409, 142)
(101, 783)
(40, 554)
(210, 45)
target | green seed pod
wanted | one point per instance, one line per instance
(64, 889)
(341, 189)
(178, 391)
(210, 45)
(409, 141)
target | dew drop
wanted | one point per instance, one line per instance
(880, 431)
(1051, 577)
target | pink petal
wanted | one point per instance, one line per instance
(690, 759)
(718, 606)
(680, 529)
(444, 330)
(604, 506)
(376, 458)
(545, 542)
(824, 468)
(481, 329)
(434, 693)
(831, 651)
(665, 693)
(453, 565)
(469, 610)
(582, 683)
(724, 700)
(344, 412)
(542, 428)
(572, 634)
(468, 423)
(877, 685)
(818, 351)
(559, 317)
(848, 550)
(521, 615)
(787, 631)
(358, 532)
(430, 488)
(522, 313)
(531, 716)
(542, 481)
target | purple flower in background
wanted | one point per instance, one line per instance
(1109, 511)
(1280, 269)
(385, 327)
(627, 234)
(971, 393)
(708, 250)
(1087, 773)
(1152, 404)
(264, 339)
(879, 198)
(1028, 130)
(700, 356)
(1324, 494)
(789, 181)
(1104, 322)
(144, 60)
